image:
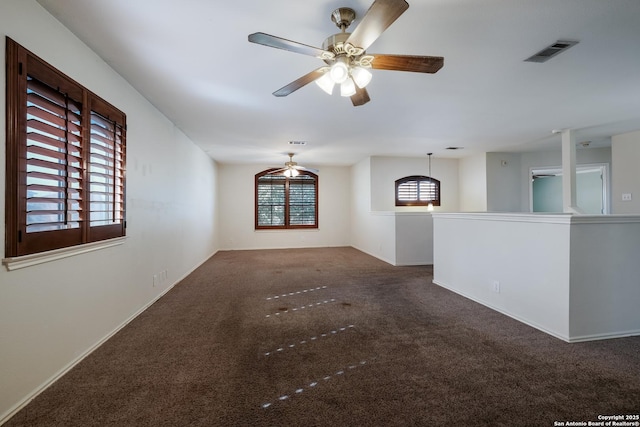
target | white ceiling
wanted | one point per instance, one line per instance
(192, 60)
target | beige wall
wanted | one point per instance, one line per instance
(473, 183)
(625, 153)
(385, 171)
(237, 211)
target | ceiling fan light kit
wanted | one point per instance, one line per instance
(291, 168)
(347, 63)
(326, 83)
(361, 76)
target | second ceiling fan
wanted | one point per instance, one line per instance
(345, 56)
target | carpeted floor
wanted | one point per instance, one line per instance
(334, 337)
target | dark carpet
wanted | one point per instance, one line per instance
(334, 337)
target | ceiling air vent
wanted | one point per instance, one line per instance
(550, 51)
(297, 142)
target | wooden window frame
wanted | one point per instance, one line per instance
(287, 206)
(21, 66)
(417, 202)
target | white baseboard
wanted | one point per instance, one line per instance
(569, 339)
(605, 336)
(374, 255)
(505, 312)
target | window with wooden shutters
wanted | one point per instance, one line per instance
(65, 160)
(417, 190)
(106, 172)
(286, 202)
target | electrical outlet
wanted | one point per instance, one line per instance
(496, 286)
(626, 197)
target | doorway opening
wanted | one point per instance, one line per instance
(592, 189)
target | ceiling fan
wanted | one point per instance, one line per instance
(347, 62)
(292, 169)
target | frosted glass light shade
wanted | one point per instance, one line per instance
(361, 76)
(348, 88)
(326, 83)
(291, 172)
(339, 72)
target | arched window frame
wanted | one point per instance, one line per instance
(288, 203)
(417, 182)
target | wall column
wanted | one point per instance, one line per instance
(569, 204)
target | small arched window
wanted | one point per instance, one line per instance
(417, 190)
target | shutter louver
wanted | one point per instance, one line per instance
(53, 160)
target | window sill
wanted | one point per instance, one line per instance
(24, 261)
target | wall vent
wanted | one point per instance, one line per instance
(550, 51)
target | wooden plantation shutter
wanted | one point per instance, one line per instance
(407, 191)
(106, 172)
(302, 196)
(428, 191)
(53, 152)
(54, 156)
(270, 201)
(417, 190)
(286, 202)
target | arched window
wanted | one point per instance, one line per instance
(286, 202)
(417, 190)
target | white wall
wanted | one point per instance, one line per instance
(572, 276)
(386, 170)
(605, 267)
(414, 238)
(528, 258)
(503, 182)
(371, 232)
(400, 235)
(625, 153)
(51, 314)
(473, 183)
(237, 211)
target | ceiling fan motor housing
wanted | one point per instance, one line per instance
(343, 17)
(335, 43)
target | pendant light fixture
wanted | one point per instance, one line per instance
(430, 205)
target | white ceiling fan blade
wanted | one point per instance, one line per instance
(277, 171)
(302, 168)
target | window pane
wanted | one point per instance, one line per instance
(286, 202)
(271, 200)
(427, 191)
(106, 174)
(302, 198)
(417, 190)
(408, 191)
(54, 132)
